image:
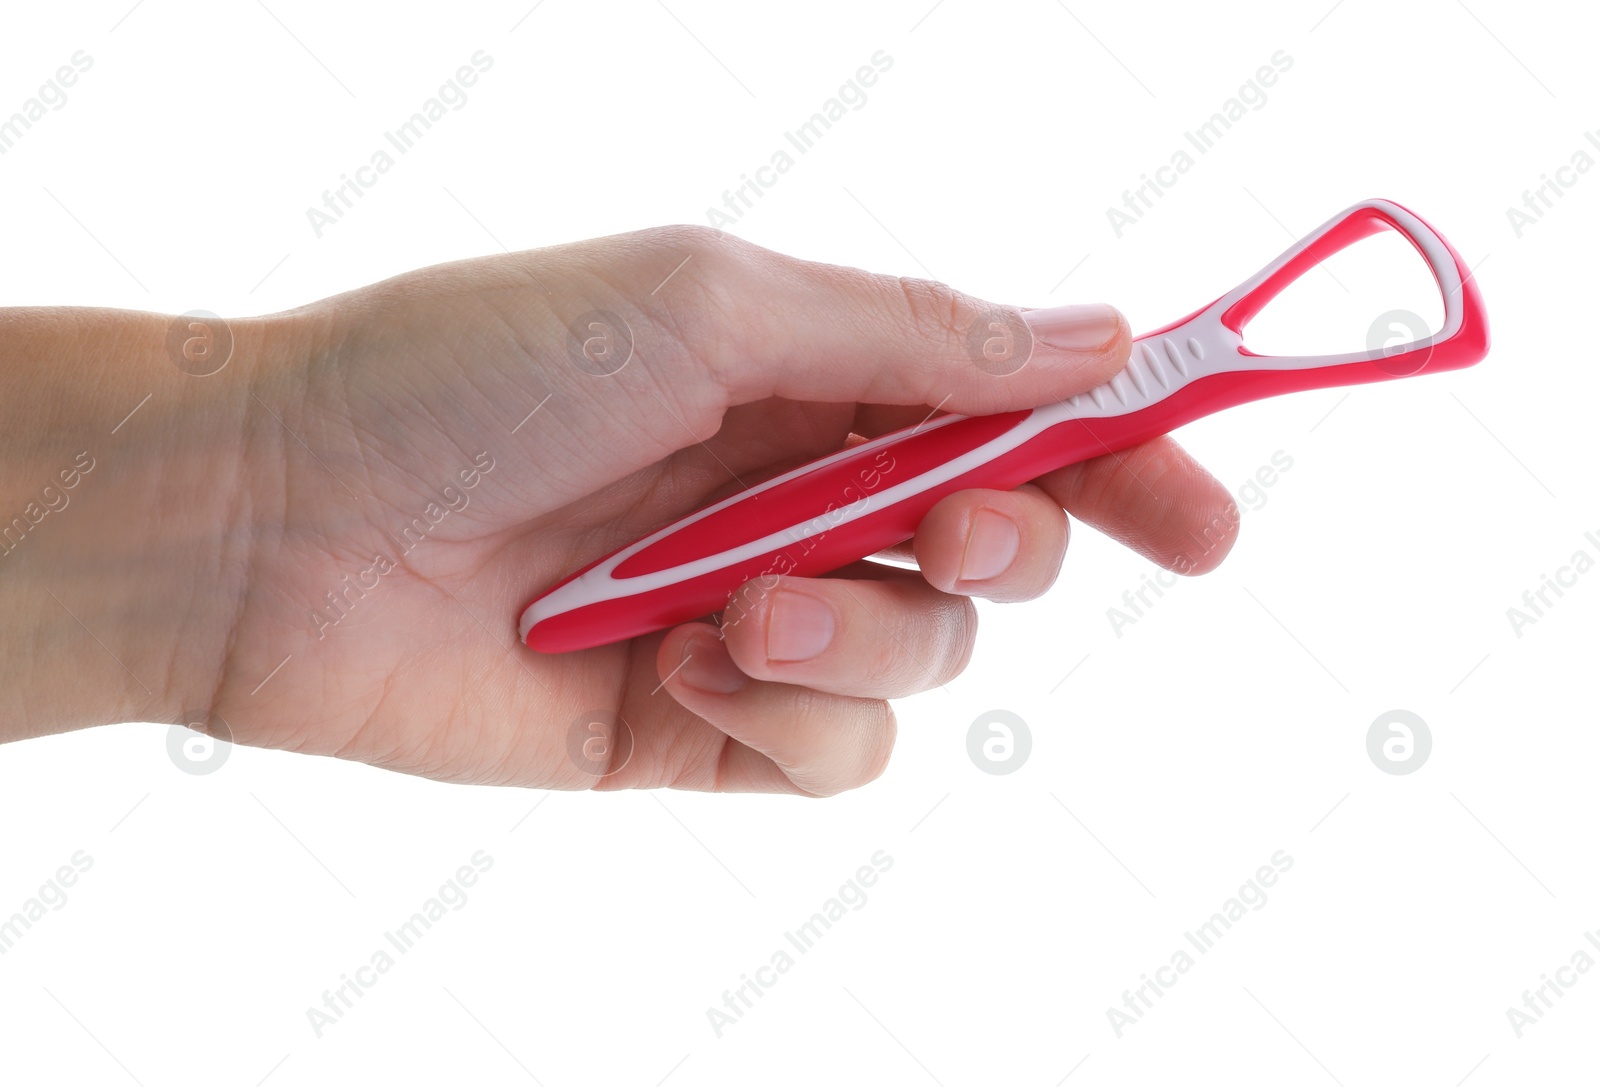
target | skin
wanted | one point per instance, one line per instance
(184, 566)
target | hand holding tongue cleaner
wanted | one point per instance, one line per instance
(851, 504)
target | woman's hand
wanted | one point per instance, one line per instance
(341, 526)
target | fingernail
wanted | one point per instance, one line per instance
(708, 667)
(992, 545)
(799, 626)
(1075, 328)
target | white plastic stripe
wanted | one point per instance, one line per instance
(598, 583)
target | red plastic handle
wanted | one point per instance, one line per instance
(859, 501)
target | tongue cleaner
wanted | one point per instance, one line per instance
(854, 503)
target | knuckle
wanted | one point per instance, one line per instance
(961, 626)
(938, 309)
(929, 645)
(1101, 484)
(879, 745)
(866, 757)
(697, 276)
(707, 248)
(692, 236)
(928, 648)
(887, 667)
(1122, 481)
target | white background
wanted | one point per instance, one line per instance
(1227, 723)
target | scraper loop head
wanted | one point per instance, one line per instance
(1461, 341)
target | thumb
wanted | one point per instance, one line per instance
(819, 332)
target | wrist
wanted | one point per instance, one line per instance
(128, 503)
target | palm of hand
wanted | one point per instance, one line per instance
(428, 517)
